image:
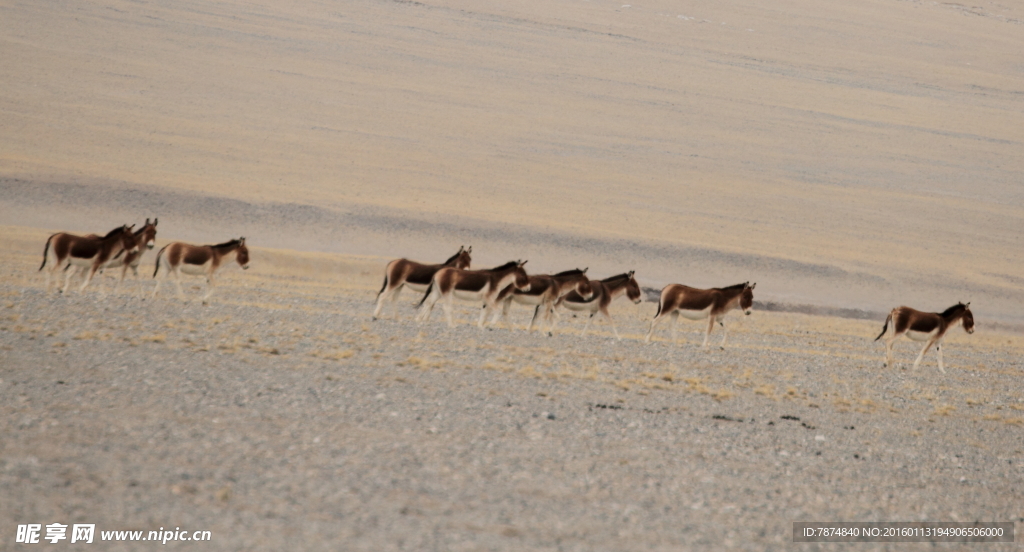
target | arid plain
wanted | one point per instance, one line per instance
(848, 158)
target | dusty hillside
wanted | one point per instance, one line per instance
(859, 155)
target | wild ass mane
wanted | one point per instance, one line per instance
(453, 257)
(230, 243)
(622, 276)
(506, 266)
(114, 231)
(953, 310)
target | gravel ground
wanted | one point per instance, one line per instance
(281, 416)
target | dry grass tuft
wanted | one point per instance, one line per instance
(943, 410)
(722, 394)
(332, 355)
(530, 372)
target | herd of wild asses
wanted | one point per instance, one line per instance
(122, 248)
(497, 288)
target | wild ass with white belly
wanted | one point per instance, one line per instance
(697, 304)
(146, 237)
(544, 291)
(604, 292)
(930, 327)
(65, 250)
(198, 260)
(472, 285)
(401, 273)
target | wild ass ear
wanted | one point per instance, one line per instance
(155, 220)
(469, 249)
(967, 304)
(242, 240)
(521, 263)
(631, 273)
(754, 285)
(129, 228)
(584, 270)
(147, 221)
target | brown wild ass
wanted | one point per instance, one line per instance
(416, 276)
(544, 291)
(146, 237)
(930, 327)
(605, 291)
(697, 304)
(198, 260)
(63, 250)
(472, 285)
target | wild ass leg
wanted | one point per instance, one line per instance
(502, 315)
(381, 297)
(587, 325)
(707, 334)
(177, 281)
(536, 315)
(159, 278)
(549, 316)
(448, 305)
(650, 332)
(51, 273)
(394, 301)
(124, 272)
(428, 305)
(483, 314)
(138, 282)
(100, 282)
(725, 334)
(889, 346)
(675, 327)
(554, 320)
(938, 352)
(923, 351)
(615, 330)
(88, 277)
(389, 292)
(71, 270)
(209, 288)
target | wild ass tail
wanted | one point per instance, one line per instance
(425, 295)
(158, 255)
(383, 287)
(45, 251)
(884, 326)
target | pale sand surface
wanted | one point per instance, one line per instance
(842, 155)
(280, 416)
(859, 155)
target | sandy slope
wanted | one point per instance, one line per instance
(879, 141)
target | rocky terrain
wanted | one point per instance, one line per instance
(281, 416)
